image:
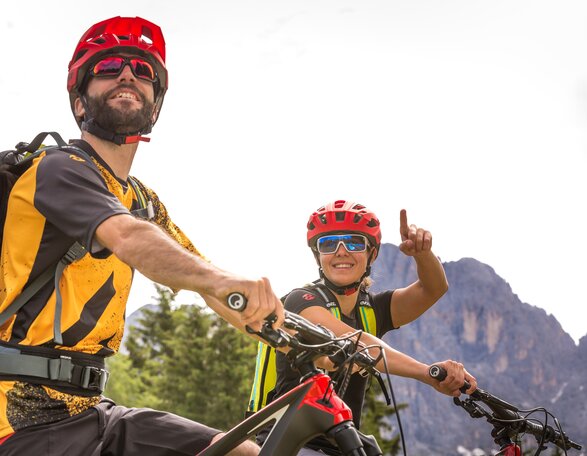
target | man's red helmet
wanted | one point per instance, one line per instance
(118, 35)
(344, 216)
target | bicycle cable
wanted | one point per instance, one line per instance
(399, 421)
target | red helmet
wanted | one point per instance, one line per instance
(132, 35)
(344, 216)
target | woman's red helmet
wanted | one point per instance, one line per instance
(344, 216)
(131, 35)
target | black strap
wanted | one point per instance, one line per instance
(54, 370)
(330, 298)
(36, 143)
(27, 294)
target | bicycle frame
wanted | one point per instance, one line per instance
(307, 411)
(510, 450)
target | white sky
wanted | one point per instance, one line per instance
(470, 114)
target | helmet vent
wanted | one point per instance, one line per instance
(357, 218)
(80, 54)
(99, 40)
(372, 223)
(340, 216)
(323, 219)
(146, 39)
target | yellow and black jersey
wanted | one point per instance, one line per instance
(59, 200)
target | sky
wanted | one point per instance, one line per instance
(471, 115)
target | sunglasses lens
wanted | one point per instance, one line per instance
(112, 66)
(356, 243)
(352, 242)
(143, 69)
(108, 67)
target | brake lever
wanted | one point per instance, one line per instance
(274, 337)
(381, 382)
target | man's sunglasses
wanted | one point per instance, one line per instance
(112, 66)
(352, 243)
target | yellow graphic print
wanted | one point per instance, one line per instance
(29, 405)
(76, 158)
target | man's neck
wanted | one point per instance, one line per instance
(119, 158)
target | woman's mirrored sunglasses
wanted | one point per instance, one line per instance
(112, 66)
(352, 243)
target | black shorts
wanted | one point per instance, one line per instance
(112, 430)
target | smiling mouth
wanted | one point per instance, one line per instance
(342, 266)
(125, 96)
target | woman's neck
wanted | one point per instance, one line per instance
(348, 303)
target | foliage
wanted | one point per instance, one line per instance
(375, 421)
(185, 360)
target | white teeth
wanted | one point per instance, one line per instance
(130, 96)
(343, 266)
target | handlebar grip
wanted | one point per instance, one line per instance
(439, 373)
(237, 301)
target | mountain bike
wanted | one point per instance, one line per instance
(313, 408)
(509, 422)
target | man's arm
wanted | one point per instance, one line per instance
(147, 248)
(409, 303)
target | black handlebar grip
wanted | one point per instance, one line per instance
(237, 301)
(439, 373)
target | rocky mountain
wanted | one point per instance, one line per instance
(515, 350)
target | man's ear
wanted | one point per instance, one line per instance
(78, 108)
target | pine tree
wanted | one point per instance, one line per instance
(375, 421)
(186, 360)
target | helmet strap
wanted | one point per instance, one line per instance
(90, 125)
(345, 290)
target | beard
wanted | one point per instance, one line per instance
(124, 118)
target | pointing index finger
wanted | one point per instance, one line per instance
(403, 224)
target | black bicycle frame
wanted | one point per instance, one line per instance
(307, 411)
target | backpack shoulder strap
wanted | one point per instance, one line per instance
(265, 378)
(145, 210)
(367, 313)
(364, 309)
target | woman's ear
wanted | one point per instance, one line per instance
(374, 253)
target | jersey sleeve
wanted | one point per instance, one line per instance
(381, 305)
(299, 299)
(72, 195)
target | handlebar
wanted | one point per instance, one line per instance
(310, 341)
(505, 417)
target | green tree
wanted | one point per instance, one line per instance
(375, 420)
(186, 360)
(128, 385)
(209, 377)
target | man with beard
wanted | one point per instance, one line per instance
(52, 350)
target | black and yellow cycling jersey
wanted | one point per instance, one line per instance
(61, 199)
